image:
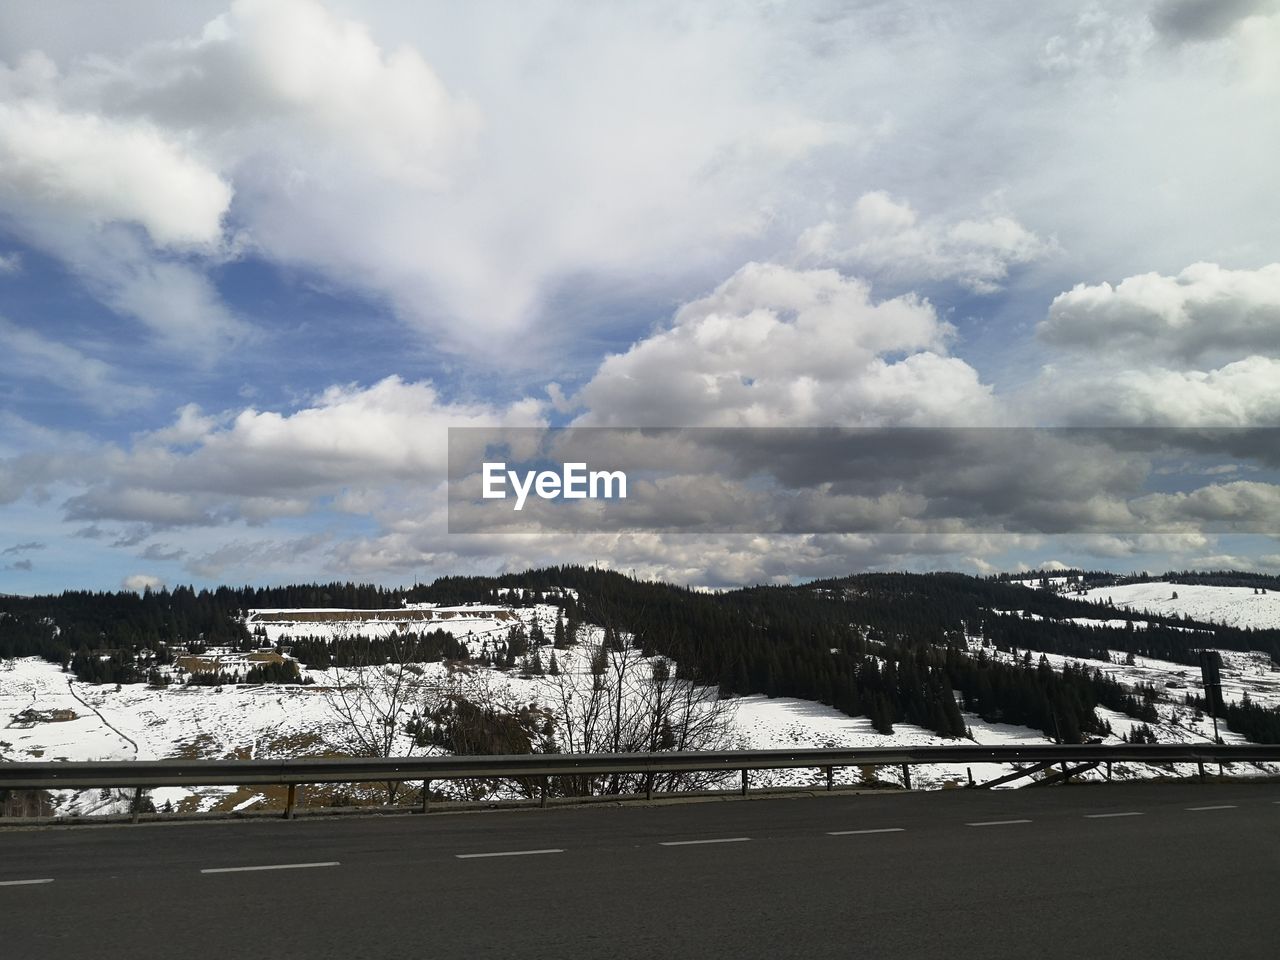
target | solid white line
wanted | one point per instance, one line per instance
(23, 883)
(1220, 806)
(690, 843)
(851, 833)
(995, 823)
(505, 853)
(1103, 816)
(273, 866)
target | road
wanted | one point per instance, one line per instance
(1134, 870)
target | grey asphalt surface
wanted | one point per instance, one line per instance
(1117, 871)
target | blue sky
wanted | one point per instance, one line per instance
(256, 258)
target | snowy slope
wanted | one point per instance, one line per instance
(1232, 606)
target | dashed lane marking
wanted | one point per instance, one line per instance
(270, 866)
(506, 853)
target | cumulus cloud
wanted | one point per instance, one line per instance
(888, 237)
(263, 464)
(293, 75)
(775, 346)
(1206, 312)
(1239, 394)
(10, 264)
(139, 582)
(1199, 349)
(100, 171)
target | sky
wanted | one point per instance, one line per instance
(256, 258)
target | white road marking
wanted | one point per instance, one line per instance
(851, 833)
(1103, 816)
(23, 883)
(505, 853)
(1220, 806)
(272, 866)
(996, 823)
(690, 843)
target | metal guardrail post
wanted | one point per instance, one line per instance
(137, 804)
(745, 783)
(293, 799)
(906, 775)
(545, 791)
(648, 787)
(830, 778)
(426, 796)
(1200, 764)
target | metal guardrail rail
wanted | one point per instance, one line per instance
(44, 775)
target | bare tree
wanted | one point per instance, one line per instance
(374, 696)
(628, 703)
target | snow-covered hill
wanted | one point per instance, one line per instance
(1232, 606)
(47, 714)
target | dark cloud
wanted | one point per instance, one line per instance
(22, 548)
(885, 480)
(163, 553)
(1189, 21)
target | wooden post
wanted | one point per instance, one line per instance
(426, 796)
(745, 784)
(137, 803)
(293, 799)
(830, 778)
(906, 776)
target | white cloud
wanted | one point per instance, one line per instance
(888, 237)
(130, 207)
(1239, 394)
(773, 346)
(1102, 41)
(141, 581)
(261, 464)
(98, 171)
(1205, 312)
(291, 76)
(10, 264)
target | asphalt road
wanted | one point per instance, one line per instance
(1117, 871)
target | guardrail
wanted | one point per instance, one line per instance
(144, 774)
